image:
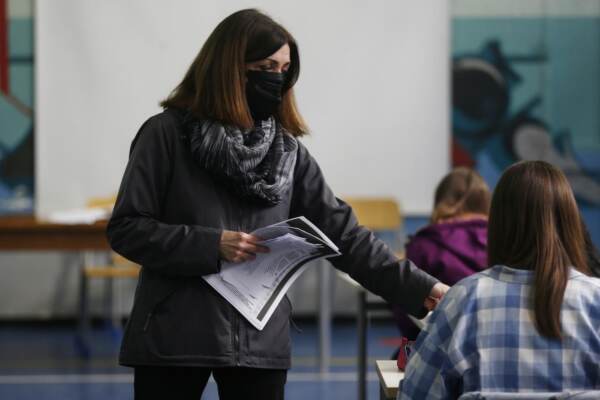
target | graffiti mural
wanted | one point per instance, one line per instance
(16, 108)
(528, 88)
(482, 84)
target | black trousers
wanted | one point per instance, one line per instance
(184, 383)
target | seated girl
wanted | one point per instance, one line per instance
(454, 245)
(531, 322)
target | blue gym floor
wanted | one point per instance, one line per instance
(39, 361)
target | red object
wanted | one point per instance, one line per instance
(460, 157)
(4, 83)
(404, 353)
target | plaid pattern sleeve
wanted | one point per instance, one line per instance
(482, 337)
(427, 374)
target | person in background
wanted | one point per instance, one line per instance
(453, 246)
(529, 323)
(223, 159)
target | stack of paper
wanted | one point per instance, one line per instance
(256, 287)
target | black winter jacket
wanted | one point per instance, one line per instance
(169, 216)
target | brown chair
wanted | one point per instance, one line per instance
(377, 214)
(116, 267)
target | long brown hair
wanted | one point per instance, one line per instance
(214, 85)
(460, 192)
(534, 223)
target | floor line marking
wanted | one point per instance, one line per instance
(128, 378)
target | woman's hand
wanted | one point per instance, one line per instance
(239, 246)
(435, 296)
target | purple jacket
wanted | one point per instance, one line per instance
(450, 251)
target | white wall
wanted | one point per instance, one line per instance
(373, 88)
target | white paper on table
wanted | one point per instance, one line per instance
(256, 287)
(78, 216)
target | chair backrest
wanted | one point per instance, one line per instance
(376, 213)
(574, 394)
(108, 203)
(101, 202)
(118, 259)
(381, 215)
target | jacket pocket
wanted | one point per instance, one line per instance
(274, 340)
(155, 307)
(189, 323)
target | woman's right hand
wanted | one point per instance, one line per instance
(239, 246)
(435, 296)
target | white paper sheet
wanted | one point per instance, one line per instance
(78, 216)
(256, 287)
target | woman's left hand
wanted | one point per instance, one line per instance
(435, 296)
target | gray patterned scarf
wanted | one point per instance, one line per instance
(255, 164)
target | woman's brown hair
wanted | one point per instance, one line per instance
(214, 86)
(534, 223)
(462, 191)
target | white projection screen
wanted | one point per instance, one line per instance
(373, 88)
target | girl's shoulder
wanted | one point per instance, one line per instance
(584, 281)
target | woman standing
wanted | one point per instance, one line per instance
(223, 159)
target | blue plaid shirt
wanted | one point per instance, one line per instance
(482, 337)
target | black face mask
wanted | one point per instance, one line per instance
(264, 92)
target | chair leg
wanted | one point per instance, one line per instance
(116, 327)
(108, 302)
(324, 316)
(83, 328)
(362, 344)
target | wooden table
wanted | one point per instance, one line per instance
(28, 234)
(25, 233)
(389, 378)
